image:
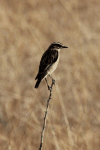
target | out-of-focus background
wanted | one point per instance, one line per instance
(27, 28)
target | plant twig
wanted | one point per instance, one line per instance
(44, 124)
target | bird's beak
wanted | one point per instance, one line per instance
(64, 47)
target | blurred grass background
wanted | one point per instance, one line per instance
(27, 28)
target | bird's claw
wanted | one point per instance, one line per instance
(53, 81)
(49, 88)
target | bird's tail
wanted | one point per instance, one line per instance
(37, 83)
(39, 78)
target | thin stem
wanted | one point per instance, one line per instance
(44, 124)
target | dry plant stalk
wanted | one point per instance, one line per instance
(44, 124)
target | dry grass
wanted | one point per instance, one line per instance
(26, 29)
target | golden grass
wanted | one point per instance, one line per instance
(26, 30)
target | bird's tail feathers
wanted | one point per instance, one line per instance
(39, 77)
(36, 77)
(37, 83)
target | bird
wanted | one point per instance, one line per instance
(49, 62)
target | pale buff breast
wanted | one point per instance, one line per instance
(54, 66)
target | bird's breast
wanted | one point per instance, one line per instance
(53, 66)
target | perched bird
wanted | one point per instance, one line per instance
(49, 62)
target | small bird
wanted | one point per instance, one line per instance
(49, 62)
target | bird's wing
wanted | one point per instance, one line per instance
(48, 58)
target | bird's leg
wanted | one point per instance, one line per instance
(53, 81)
(47, 84)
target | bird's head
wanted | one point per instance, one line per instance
(57, 46)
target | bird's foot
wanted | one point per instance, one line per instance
(53, 81)
(49, 87)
